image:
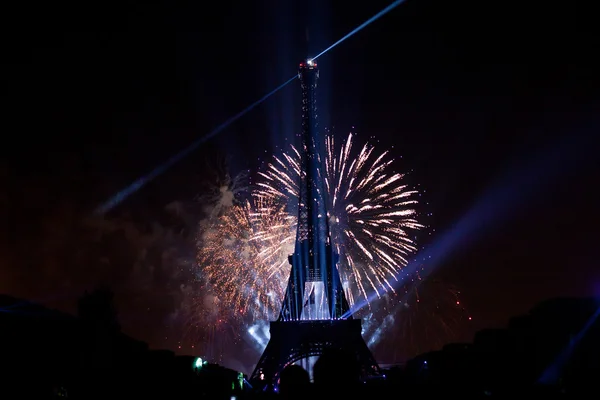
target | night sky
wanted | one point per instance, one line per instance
(472, 96)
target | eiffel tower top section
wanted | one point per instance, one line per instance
(314, 228)
(314, 289)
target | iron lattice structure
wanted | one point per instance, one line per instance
(315, 314)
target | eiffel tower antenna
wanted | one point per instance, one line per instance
(315, 314)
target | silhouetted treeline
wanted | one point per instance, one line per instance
(47, 354)
(551, 352)
(553, 349)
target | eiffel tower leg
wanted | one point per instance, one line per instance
(338, 305)
(291, 308)
(366, 359)
(298, 293)
(264, 370)
(295, 340)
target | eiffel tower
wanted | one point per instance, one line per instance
(315, 315)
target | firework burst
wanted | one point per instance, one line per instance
(371, 211)
(244, 259)
(243, 249)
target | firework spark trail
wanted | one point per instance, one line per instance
(244, 258)
(371, 211)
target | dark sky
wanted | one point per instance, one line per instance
(97, 94)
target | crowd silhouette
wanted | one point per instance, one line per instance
(294, 383)
(553, 351)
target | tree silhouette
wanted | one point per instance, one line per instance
(97, 309)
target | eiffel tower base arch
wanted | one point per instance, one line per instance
(292, 341)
